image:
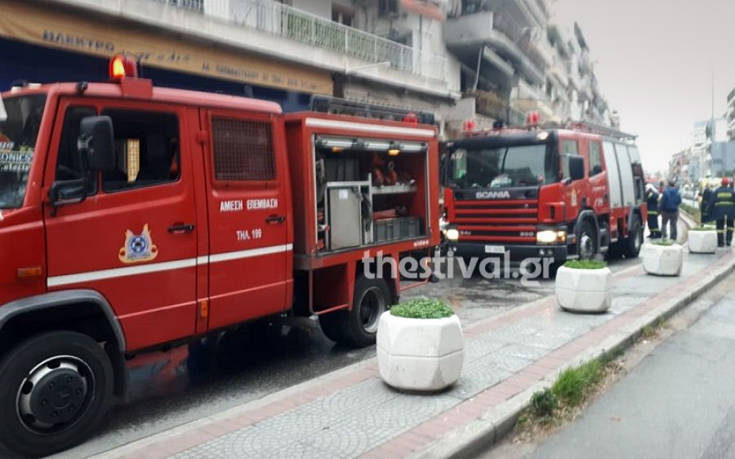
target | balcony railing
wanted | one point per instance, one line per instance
(522, 37)
(294, 24)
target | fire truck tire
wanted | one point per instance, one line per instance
(358, 327)
(371, 299)
(54, 390)
(634, 242)
(331, 324)
(587, 241)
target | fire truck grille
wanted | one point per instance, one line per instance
(497, 221)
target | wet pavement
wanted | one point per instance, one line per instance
(325, 415)
(190, 382)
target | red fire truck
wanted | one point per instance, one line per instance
(134, 218)
(558, 193)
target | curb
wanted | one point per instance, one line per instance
(490, 428)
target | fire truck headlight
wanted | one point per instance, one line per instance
(452, 234)
(551, 236)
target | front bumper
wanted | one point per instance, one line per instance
(517, 253)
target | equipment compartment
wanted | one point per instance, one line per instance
(386, 178)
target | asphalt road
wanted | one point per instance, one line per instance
(678, 402)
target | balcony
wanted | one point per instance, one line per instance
(288, 22)
(489, 104)
(539, 11)
(467, 35)
(518, 9)
(281, 32)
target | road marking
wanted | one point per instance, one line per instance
(114, 273)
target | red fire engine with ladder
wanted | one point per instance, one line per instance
(556, 192)
(135, 217)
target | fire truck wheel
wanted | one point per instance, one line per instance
(359, 326)
(587, 242)
(371, 300)
(332, 323)
(634, 242)
(54, 389)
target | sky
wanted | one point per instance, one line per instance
(654, 61)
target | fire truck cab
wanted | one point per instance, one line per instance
(560, 193)
(134, 218)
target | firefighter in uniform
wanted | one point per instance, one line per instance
(705, 209)
(652, 204)
(723, 210)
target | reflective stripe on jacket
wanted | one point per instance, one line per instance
(724, 203)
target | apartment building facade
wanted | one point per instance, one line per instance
(514, 60)
(375, 51)
(484, 60)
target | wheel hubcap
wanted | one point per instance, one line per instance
(372, 305)
(55, 394)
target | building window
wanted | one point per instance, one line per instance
(387, 7)
(342, 14)
(147, 150)
(243, 150)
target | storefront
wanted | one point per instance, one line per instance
(42, 46)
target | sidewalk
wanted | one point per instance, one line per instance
(352, 413)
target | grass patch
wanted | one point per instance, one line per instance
(544, 403)
(648, 332)
(422, 308)
(663, 242)
(585, 264)
(574, 384)
(551, 407)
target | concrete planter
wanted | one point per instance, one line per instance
(703, 241)
(583, 290)
(662, 260)
(420, 354)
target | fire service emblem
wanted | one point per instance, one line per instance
(138, 247)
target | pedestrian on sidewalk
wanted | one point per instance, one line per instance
(670, 203)
(724, 212)
(652, 204)
(705, 208)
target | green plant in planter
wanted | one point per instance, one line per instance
(422, 308)
(663, 242)
(585, 264)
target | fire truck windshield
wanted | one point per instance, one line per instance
(18, 131)
(502, 167)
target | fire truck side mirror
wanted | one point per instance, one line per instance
(576, 168)
(96, 143)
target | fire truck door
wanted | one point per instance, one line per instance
(249, 245)
(133, 239)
